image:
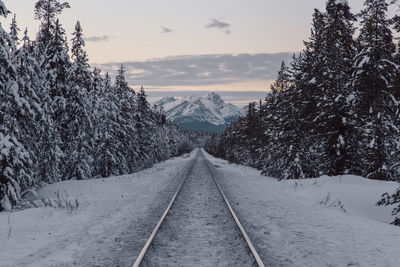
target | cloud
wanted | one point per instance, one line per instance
(166, 30)
(218, 24)
(103, 38)
(201, 70)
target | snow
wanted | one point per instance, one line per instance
(329, 221)
(365, 60)
(109, 228)
(3, 10)
(5, 145)
(199, 229)
(351, 97)
(342, 2)
(210, 108)
(6, 203)
(341, 140)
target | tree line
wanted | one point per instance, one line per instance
(60, 120)
(334, 109)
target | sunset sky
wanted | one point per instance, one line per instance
(186, 45)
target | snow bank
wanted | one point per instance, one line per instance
(330, 221)
(112, 212)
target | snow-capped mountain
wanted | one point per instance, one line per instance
(209, 113)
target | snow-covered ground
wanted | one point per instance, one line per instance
(109, 228)
(199, 229)
(330, 221)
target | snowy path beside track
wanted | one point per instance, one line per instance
(199, 229)
(109, 228)
(289, 227)
(284, 219)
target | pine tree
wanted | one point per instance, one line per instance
(59, 120)
(79, 73)
(283, 80)
(393, 199)
(55, 63)
(301, 107)
(14, 31)
(145, 127)
(51, 53)
(56, 66)
(31, 115)
(143, 105)
(97, 82)
(395, 85)
(129, 119)
(47, 11)
(377, 107)
(97, 104)
(120, 82)
(275, 114)
(15, 164)
(335, 120)
(77, 122)
(110, 158)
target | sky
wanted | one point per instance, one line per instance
(188, 45)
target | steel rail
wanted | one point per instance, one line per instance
(187, 171)
(144, 250)
(250, 245)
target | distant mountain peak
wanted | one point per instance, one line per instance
(209, 113)
(215, 98)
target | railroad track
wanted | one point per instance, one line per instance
(201, 167)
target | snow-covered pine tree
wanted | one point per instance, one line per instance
(275, 112)
(46, 112)
(97, 82)
(292, 130)
(127, 119)
(374, 69)
(283, 80)
(146, 129)
(31, 116)
(15, 164)
(56, 66)
(279, 161)
(49, 159)
(47, 11)
(51, 52)
(334, 123)
(97, 104)
(79, 73)
(256, 138)
(77, 120)
(297, 132)
(110, 156)
(395, 85)
(252, 122)
(142, 103)
(393, 199)
(14, 31)
(121, 84)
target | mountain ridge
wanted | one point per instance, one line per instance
(200, 113)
